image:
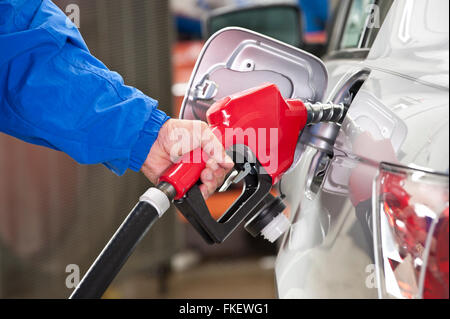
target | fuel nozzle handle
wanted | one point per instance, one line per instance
(325, 112)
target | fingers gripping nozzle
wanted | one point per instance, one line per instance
(325, 112)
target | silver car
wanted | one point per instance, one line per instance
(388, 61)
(368, 197)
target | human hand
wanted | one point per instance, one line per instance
(179, 137)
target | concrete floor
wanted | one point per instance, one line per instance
(251, 278)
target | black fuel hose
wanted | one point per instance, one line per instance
(116, 252)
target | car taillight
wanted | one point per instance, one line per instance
(411, 232)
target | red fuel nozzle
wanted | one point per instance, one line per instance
(261, 120)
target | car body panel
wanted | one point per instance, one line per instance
(413, 42)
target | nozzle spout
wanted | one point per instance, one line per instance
(325, 112)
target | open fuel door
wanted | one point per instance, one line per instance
(236, 59)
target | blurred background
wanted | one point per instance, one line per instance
(55, 213)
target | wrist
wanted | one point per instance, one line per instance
(147, 138)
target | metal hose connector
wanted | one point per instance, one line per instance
(325, 112)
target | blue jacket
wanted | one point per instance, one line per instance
(54, 93)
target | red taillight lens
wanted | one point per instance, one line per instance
(436, 276)
(411, 233)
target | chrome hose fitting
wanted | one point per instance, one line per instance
(325, 112)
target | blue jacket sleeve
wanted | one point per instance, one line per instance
(54, 93)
